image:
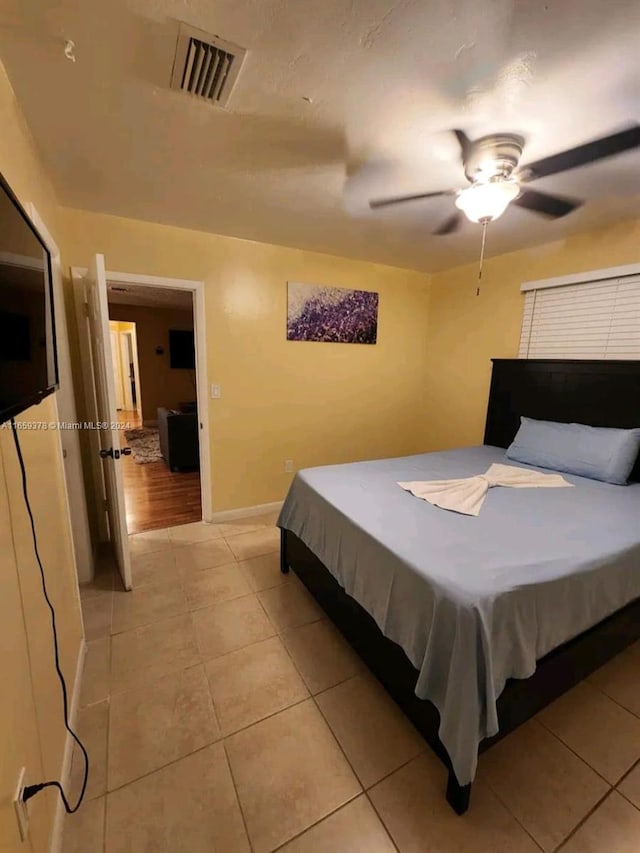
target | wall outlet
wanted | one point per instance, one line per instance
(288, 466)
(215, 392)
(22, 815)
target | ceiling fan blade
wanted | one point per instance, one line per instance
(553, 206)
(598, 149)
(449, 225)
(464, 142)
(385, 202)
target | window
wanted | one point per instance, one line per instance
(589, 319)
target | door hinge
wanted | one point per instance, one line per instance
(86, 309)
(105, 505)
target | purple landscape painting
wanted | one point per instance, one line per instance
(332, 314)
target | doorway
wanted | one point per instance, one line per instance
(126, 371)
(96, 291)
(154, 366)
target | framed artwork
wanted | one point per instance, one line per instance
(331, 314)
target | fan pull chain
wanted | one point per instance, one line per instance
(484, 235)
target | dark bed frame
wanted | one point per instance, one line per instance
(597, 393)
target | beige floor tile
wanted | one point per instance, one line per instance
(620, 679)
(211, 586)
(154, 725)
(355, 828)
(253, 682)
(148, 542)
(203, 555)
(245, 546)
(249, 524)
(263, 572)
(231, 625)
(614, 827)
(412, 805)
(197, 531)
(601, 732)
(268, 518)
(630, 786)
(145, 654)
(290, 605)
(84, 830)
(96, 615)
(154, 568)
(103, 581)
(95, 678)
(147, 605)
(92, 727)
(376, 736)
(323, 657)
(240, 525)
(548, 788)
(290, 773)
(187, 807)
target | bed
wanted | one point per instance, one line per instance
(474, 624)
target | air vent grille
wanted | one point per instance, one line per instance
(206, 66)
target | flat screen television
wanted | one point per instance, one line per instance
(182, 352)
(28, 365)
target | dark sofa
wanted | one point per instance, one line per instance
(179, 439)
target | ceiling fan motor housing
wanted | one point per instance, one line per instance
(494, 156)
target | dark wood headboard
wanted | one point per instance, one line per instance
(596, 393)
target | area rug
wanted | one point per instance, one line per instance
(144, 444)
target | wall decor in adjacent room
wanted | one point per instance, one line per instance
(334, 314)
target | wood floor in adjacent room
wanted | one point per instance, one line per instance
(156, 497)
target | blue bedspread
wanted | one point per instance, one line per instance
(472, 601)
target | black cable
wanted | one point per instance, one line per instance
(32, 790)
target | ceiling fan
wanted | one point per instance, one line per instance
(491, 165)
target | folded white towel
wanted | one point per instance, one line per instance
(467, 495)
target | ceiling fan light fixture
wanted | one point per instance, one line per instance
(484, 202)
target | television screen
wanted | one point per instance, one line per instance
(182, 351)
(28, 369)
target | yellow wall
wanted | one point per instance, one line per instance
(160, 385)
(31, 728)
(465, 331)
(315, 403)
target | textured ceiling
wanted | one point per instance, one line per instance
(154, 297)
(337, 102)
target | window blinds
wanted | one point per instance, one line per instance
(597, 319)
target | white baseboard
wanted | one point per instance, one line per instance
(244, 512)
(65, 770)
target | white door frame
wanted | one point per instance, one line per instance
(91, 410)
(199, 324)
(65, 404)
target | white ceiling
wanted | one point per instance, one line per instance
(120, 293)
(386, 79)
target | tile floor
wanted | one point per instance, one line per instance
(222, 712)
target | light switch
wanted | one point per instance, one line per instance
(215, 392)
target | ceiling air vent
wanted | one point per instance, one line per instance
(205, 65)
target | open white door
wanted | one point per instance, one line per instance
(110, 450)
